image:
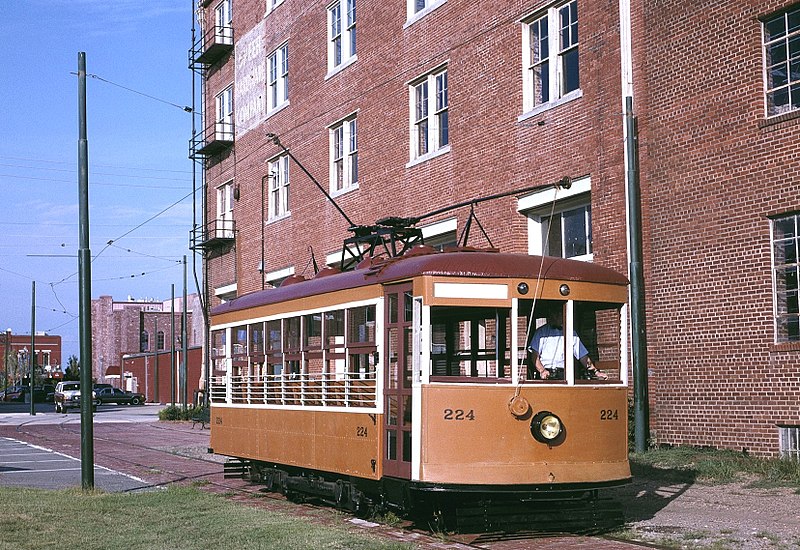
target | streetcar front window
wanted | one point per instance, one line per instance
(470, 343)
(595, 344)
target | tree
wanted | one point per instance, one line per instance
(73, 369)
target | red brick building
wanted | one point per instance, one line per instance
(152, 375)
(139, 327)
(15, 356)
(401, 107)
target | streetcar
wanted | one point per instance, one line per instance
(406, 383)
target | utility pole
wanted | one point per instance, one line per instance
(184, 344)
(172, 350)
(33, 347)
(84, 287)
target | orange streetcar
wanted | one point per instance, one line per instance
(415, 381)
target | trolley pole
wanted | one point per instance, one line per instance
(641, 403)
(84, 287)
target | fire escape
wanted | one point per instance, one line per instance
(216, 235)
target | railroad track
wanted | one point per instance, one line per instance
(157, 453)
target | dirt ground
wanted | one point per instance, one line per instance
(684, 513)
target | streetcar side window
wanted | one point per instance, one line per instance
(361, 345)
(291, 344)
(470, 343)
(274, 347)
(334, 342)
(218, 352)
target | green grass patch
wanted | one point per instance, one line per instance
(177, 518)
(713, 466)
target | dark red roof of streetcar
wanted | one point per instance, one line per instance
(458, 263)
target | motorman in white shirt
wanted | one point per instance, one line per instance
(547, 349)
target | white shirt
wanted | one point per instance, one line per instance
(548, 342)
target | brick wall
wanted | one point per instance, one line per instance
(711, 173)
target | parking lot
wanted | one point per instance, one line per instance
(27, 464)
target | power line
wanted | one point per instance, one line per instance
(154, 98)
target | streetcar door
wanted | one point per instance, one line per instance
(399, 312)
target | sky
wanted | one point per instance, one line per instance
(140, 176)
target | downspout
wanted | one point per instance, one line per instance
(634, 235)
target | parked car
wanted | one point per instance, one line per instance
(116, 395)
(14, 393)
(68, 395)
(19, 393)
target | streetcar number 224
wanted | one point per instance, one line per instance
(609, 414)
(459, 414)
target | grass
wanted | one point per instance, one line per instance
(712, 466)
(177, 518)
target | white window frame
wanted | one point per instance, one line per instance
(223, 19)
(343, 151)
(224, 227)
(278, 79)
(223, 115)
(272, 4)
(539, 205)
(778, 75)
(276, 277)
(341, 35)
(440, 233)
(429, 108)
(226, 293)
(278, 188)
(417, 9)
(782, 297)
(555, 60)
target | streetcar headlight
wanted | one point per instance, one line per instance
(546, 427)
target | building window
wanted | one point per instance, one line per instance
(272, 4)
(344, 155)
(278, 81)
(160, 339)
(782, 62)
(223, 19)
(560, 221)
(223, 127)
(786, 274)
(416, 9)
(550, 56)
(279, 187)
(341, 33)
(789, 439)
(144, 341)
(441, 235)
(224, 225)
(567, 233)
(429, 114)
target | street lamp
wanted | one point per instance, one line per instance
(22, 363)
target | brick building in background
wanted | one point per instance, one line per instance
(15, 356)
(401, 107)
(131, 327)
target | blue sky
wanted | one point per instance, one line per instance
(139, 172)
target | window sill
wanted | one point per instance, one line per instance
(342, 66)
(278, 109)
(422, 13)
(278, 218)
(774, 120)
(785, 346)
(572, 96)
(429, 156)
(344, 191)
